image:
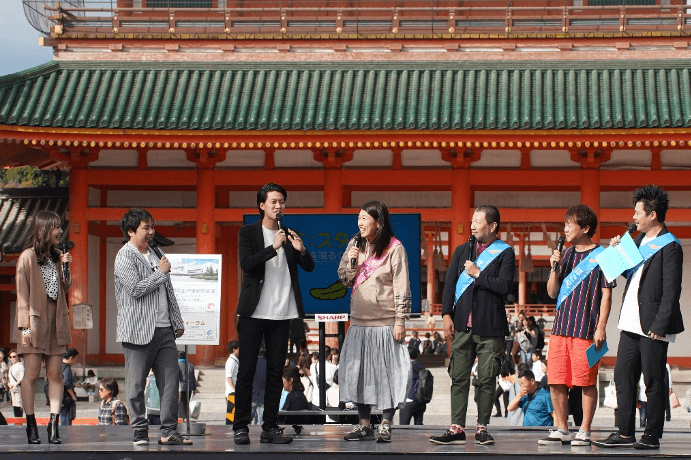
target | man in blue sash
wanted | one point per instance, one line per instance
(475, 317)
(649, 320)
(584, 298)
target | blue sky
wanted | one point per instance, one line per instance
(19, 48)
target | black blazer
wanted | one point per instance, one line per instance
(660, 290)
(485, 295)
(253, 255)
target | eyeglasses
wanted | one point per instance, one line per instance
(13, 356)
(101, 389)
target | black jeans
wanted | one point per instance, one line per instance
(638, 354)
(414, 410)
(497, 395)
(275, 335)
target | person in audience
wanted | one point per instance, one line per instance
(536, 364)
(111, 411)
(533, 401)
(413, 409)
(259, 388)
(232, 366)
(68, 411)
(16, 376)
(296, 399)
(304, 362)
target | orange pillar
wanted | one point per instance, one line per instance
(522, 276)
(430, 269)
(590, 194)
(79, 233)
(206, 238)
(461, 201)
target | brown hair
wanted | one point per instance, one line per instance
(39, 236)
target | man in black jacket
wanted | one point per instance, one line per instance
(649, 320)
(475, 316)
(270, 298)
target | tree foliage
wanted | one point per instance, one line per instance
(32, 177)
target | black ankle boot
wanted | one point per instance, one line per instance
(32, 429)
(53, 433)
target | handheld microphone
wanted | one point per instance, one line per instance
(154, 247)
(279, 221)
(357, 244)
(64, 247)
(560, 246)
(472, 246)
(632, 228)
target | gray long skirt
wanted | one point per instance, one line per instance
(374, 369)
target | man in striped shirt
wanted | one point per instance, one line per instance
(148, 323)
(580, 320)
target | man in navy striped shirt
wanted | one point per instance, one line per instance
(580, 320)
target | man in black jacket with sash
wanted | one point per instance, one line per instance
(649, 320)
(475, 317)
(270, 298)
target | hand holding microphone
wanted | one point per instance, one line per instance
(355, 250)
(614, 241)
(556, 255)
(470, 267)
(280, 239)
(66, 257)
(163, 263)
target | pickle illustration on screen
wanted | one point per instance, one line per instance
(334, 291)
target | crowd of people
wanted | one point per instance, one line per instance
(502, 358)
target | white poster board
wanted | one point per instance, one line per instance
(196, 280)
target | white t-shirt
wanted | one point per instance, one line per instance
(537, 370)
(630, 317)
(232, 366)
(277, 300)
(162, 315)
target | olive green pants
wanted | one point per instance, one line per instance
(464, 349)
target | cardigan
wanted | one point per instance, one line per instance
(383, 299)
(32, 302)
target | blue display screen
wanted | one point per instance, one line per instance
(326, 237)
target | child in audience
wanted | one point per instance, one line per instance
(112, 411)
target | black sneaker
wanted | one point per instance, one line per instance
(141, 437)
(242, 436)
(647, 441)
(449, 437)
(274, 436)
(483, 438)
(360, 433)
(614, 440)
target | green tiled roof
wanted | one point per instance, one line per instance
(350, 96)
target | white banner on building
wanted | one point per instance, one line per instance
(196, 280)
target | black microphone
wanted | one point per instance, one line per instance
(357, 244)
(472, 246)
(632, 228)
(279, 221)
(560, 246)
(154, 247)
(64, 247)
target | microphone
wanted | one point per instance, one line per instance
(472, 245)
(279, 221)
(357, 244)
(64, 247)
(632, 228)
(560, 246)
(154, 247)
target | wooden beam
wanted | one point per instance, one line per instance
(130, 177)
(159, 214)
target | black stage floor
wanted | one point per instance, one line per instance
(318, 442)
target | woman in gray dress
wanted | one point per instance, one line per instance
(375, 368)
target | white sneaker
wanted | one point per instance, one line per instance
(556, 437)
(582, 439)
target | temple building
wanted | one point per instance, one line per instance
(187, 107)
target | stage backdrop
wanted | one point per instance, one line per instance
(326, 237)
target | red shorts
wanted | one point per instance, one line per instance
(567, 363)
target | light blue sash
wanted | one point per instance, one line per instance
(486, 258)
(650, 248)
(577, 275)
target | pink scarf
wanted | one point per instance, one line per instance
(373, 263)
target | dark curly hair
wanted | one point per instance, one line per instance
(653, 199)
